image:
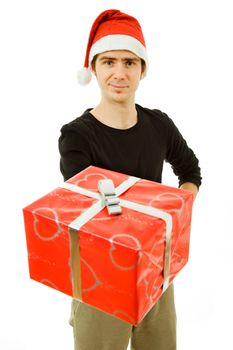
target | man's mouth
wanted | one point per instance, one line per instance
(118, 86)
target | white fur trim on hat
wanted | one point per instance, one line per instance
(119, 42)
(84, 76)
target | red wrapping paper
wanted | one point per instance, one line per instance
(113, 263)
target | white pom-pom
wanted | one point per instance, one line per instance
(84, 76)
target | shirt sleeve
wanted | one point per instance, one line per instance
(184, 162)
(74, 150)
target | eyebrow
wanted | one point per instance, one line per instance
(123, 59)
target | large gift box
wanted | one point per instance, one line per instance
(110, 240)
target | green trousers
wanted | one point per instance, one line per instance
(95, 330)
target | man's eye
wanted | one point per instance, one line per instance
(108, 63)
(129, 63)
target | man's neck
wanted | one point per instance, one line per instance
(116, 115)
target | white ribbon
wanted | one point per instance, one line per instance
(99, 205)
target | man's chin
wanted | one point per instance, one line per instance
(119, 97)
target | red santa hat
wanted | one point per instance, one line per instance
(113, 30)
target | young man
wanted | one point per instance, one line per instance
(122, 136)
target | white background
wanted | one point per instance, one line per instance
(190, 78)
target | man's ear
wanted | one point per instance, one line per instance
(143, 73)
(93, 65)
(93, 70)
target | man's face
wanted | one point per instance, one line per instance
(118, 73)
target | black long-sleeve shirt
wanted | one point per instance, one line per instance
(138, 151)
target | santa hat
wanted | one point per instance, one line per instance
(113, 30)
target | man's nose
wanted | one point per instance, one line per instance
(119, 72)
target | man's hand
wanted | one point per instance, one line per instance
(191, 187)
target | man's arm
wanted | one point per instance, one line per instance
(191, 187)
(184, 162)
(74, 150)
